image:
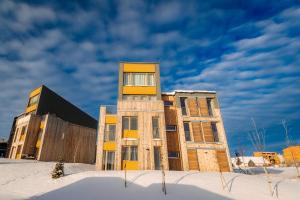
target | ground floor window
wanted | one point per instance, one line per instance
(130, 153)
(108, 160)
(157, 164)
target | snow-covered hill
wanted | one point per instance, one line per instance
(24, 179)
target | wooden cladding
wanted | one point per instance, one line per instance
(197, 131)
(175, 164)
(172, 141)
(139, 90)
(202, 131)
(198, 107)
(192, 105)
(193, 159)
(207, 131)
(222, 161)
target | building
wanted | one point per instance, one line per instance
(291, 155)
(150, 130)
(51, 128)
(3, 147)
(271, 158)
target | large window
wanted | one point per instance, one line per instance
(155, 127)
(108, 160)
(139, 79)
(16, 134)
(157, 158)
(215, 132)
(110, 132)
(182, 104)
(33, 100)
(130, 153)
(130, 123)
(187, 132)
(209, 106)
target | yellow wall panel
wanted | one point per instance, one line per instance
(110, 119)
(144, 90)
(42, 125)
(31, 108)
(139, 67)
(130, 134)
(109, 146)
(38, 144)
(131, 165)
(35, 92)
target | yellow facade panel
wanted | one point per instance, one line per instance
(42, 125)
(35, 92)
(31, 108)
(130, 165)
(109, 146)
(130, 134)
(142, 90)
(110, 119)
(139, 67)
(38, 144)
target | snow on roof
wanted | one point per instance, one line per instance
(188, 91)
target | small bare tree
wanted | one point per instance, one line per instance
(288, 143)
(257, 138)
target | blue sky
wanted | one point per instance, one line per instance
(248, 51)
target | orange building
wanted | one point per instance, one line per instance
(291, 154)
(271, 157)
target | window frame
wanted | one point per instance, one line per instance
(155, 134)
(171, 130)
(168, 103)
(130, 79)
(130, 124)
(185, 131)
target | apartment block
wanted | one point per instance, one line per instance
(151, 130)
(51, 128)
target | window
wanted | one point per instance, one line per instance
(155, 127)
(130, 153)
(139, 97)
(16, 134)
(187, 133)
(173, 154)
(110, 132)
(108, 160)
(215, 132)
(129, 123)
(209, 106)
(22, 136)
(139, 79)
(33, 100)
(182, 104)
(168, 103)
(171, 128)
(157, 158)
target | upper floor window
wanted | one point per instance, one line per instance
(168, 103)
(187, 132)
(155, 127)
(16, 134)
(130, 123)
(170, 127)
(33, 100)
(215, 132)
(110, 132)
(182, 105)
(139, 79)
(210, 106)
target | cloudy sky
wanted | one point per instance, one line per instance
(248, 51)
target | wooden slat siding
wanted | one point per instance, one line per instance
(203, 107)
(172, 141)
(193, 159)
(208, 133)
(197, 132)
(174, 164)
(170, 115)
(222, 161)
(193, 108)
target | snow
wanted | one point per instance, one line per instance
(259, 161)
(26, 179)
(188, 91)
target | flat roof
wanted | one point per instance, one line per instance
(189, 91)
